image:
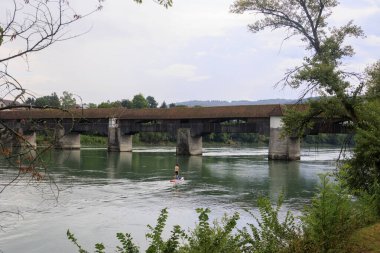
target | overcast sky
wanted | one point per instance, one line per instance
(195, 50)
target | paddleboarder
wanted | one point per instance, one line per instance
(176, 171)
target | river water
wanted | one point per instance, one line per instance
(103, 193)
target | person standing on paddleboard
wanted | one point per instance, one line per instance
(176, 171)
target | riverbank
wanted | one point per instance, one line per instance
(101, 142)
(367, 240)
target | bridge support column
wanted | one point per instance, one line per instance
(7, 141)
(66, 141)
(24, 140)
(31, 140)
(187, 144)
(286, 148)
(118, 142)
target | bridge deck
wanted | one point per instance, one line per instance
(222, 112)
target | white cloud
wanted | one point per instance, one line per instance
(184, 72)
(373, 40)
(185, 21)
(195, 50)
(355, 10)
(201, 54)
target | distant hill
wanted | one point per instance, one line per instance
(211, 103)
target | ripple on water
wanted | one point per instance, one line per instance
(100, 200)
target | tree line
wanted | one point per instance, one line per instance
(69, 101)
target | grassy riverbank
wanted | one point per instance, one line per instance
(147, 139)
(93, 141)
(366, 240)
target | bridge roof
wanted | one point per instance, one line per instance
(222, 112)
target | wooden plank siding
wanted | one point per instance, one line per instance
(176, 113)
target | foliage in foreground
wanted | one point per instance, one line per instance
(270, 235)
(326, 225)
(363, 169)
(213, 239)
(330, 220)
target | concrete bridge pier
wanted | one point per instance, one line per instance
(6, 141)
(30, 140)
(116, 141)
(66, 140)
(282, 148)
(18, 138)
(187, 144)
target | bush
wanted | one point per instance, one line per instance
(92, 140)
(158, 244)
(218, 238)
(127, 245)
(270, 235)
(362, 171)
(329, 222)
(367, 206)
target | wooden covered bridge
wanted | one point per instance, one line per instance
(189, 125)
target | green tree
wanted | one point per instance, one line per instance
(342, 94)
(50, 101)
(116, 104)
(108, 104)
(67, 100)
(322, 71)
(151, 102)
(362, 171)
(163, 105)
(127, 103)
(139, 101)
(373, 80)
(30, 101)
(92, 105)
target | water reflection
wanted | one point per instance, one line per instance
(118, 163)
(245, 177)
(283, 177)
(193, 163)
(70, 158)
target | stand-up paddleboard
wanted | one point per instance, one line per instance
(182, 179)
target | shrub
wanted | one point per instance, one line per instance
(92, 140)
(367, 206)
(270, 235)
(158, 244)
(218, 238)
(329, 221)
(127, 245)
(362, 171)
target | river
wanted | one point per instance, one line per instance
(103, 193)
